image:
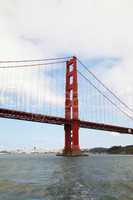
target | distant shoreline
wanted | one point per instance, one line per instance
(27, 153)
(114, 150)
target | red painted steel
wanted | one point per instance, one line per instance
(71, 109)
(19, 115)
(67, 125)
(106, 127)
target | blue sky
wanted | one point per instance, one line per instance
(19, 134)
(98, 32)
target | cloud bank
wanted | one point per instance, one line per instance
(87, 29)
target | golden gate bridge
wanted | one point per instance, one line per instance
(61, 91)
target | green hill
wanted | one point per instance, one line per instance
(113, 150)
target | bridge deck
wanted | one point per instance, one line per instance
(19, 115)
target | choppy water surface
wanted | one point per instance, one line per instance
(38, 177)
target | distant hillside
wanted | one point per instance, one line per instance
(113, 150)
(98, 150)
(4, 151)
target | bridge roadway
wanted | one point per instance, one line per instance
(20, 115)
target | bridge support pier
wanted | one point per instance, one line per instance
(71, 127)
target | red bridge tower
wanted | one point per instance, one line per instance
(71, 110)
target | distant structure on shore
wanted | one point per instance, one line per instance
(34, 150)
(98, 150)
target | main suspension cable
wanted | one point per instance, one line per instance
(105, 96)
(35, 60)
(31, 65)
(118, 98)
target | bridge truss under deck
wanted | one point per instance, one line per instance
(19, 115)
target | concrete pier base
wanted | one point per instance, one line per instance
(72, 154)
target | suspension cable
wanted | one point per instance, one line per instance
(31, 65)
(106, 96)
(118, 98)
(35, 60)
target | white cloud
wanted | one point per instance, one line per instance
(28, 83)
(89, 28)
(119, 79)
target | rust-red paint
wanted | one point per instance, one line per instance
(71, 108)
(20, 115)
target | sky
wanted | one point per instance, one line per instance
(100, 33)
